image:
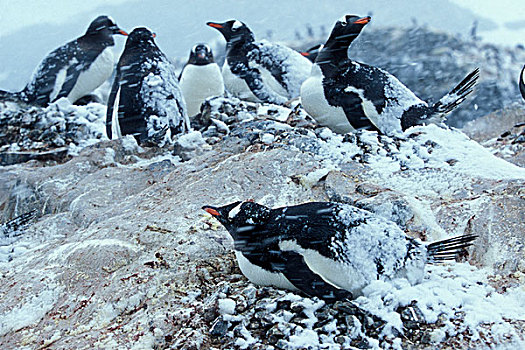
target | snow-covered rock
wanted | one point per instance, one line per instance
(121, 252)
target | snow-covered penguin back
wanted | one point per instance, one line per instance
(146, 100)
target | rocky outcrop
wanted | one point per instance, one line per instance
(121, 254)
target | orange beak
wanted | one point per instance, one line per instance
(121, 32)
(212, 212)
(363, 20)
(154, 35)
(214, 25)
(305, 54)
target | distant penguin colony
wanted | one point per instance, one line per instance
(145, 99)
(522, 82)
(328, 250)
(200, 78)
(345, 95)
(74, 69)
(260, 71)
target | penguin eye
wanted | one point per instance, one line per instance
(342, 20)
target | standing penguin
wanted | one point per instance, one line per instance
(328, 250)
(145, 99)
(200, 78)
(74, 69)
(522, 82)
(260, 71)
(345, 95)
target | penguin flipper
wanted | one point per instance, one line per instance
(112, 105)
(295, 269)
(72, 74)
(353, 108)
(253, 78)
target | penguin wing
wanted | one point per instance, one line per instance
(254, 80)
(352, 105)
(72, 73)
(113, 102)
(295, 269)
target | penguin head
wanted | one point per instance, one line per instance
(141, 37)
(201, 55)
(240, 217)
(104, 26)
(233, 31)
(347, 28)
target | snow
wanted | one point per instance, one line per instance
(226, 306)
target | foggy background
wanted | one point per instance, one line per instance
(28, 31)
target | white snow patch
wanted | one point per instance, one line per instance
(226, 306)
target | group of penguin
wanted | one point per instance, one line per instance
(149, 101)
(322, 249)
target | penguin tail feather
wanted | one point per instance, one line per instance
(449, 249)
(457, 95)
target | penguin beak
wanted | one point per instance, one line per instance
(305, 54)
(121, 32)
(211, 211)
(364, 20)
(154, 35)
(215, 25)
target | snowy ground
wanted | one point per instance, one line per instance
(122, 256)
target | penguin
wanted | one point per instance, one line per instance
(145, 99)
(260, 71)
(312, 52)
(200, 78)
(346, 95)
(74, 69)
(522, 82)
(328, 250)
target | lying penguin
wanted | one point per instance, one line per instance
(328, 250)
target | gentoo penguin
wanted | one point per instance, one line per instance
(74, 69)
(328, 250)
(260, 71)
(145, 99)
(345, 95)
(522, 82)
(312, 52)
(200, 78)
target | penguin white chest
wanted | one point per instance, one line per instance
(98, 72)
(198, 83)
(316, 105)
(261, 276)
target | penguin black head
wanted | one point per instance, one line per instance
(141, 37)
(348, 28)
(249, 216)
(233, 31)
(104, 26)
(200, 55)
